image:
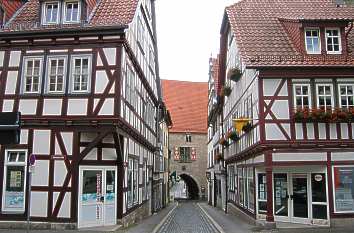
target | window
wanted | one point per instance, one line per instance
(130, 87)
(333, 41)
(231, 178)
(32, 74)
(302, 95)
(51, 13)
(343, 189)
(250, 188)
(188, 138)
(140, 33)
(80, 75)
(262, 193)
(72, 12)
(241, 186)
(185, 154)
(312, 41)
(151, 58)
(56, 74)
(14, 182)
(324, 96)
(132, 182)
(346, 95)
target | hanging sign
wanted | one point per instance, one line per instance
(318, 177)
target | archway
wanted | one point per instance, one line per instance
(192, 187)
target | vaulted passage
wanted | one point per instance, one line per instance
(191, 186)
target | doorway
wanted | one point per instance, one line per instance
(297, 197)
(97, 196)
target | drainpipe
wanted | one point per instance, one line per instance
(226, 189)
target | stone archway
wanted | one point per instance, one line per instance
(192, 186)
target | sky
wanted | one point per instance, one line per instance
(188, 33)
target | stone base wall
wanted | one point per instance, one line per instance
(135, 216)
(37, 225)
(342, 223)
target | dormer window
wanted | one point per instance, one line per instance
(72, 12)
(333, 41)
(312, 41)
(51, 12)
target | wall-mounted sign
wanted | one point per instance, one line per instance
(318, 177)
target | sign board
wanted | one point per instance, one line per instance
(10, 124)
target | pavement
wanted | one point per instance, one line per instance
(190, 217)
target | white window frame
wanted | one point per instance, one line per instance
(49, 59)
(44, 12)
(302, 95)
(319, 40)
(334, 190)
(24, 71)
(317, 95)
(346, 95)
(6, 165)
(65, 12)
(136, 179)
(141, 33)
(89, 57)
(339, 41)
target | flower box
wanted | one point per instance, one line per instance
(223, 141)
(226, 91)
(233, 135)
(234, 74)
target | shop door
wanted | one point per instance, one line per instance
(97, 197)
(300, 199)
(281, 197)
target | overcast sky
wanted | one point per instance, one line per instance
(188, 33)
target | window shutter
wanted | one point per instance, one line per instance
(176, 153)
(194, 154)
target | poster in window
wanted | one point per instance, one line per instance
(15, 179)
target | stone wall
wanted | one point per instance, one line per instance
(195, 169)
(136, 216)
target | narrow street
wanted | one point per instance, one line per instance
(188, 217)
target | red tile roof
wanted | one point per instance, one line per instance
(106, 13)
(215, 74)
(10, 7)
(262, 39)
(188, 105)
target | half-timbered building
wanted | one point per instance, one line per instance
(287, 69)
(83, 74)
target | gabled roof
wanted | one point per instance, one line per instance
(214, 69)
(188, 105)
(263, 40)
(106, 13)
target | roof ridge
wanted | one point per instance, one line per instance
(94, 10)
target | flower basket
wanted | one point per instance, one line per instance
(223, 141)
(247, 127)
(219, 157)
(226, 91)
(234, 74)
(233, 136)
(322, 115)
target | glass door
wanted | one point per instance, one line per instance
(110, 198)
(300, 198)
(281, 196)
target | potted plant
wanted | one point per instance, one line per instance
(247, 127)
(226, 90)
(233, 135)
(223, 141)
(323, 115)
(234, 74)
(303, 115)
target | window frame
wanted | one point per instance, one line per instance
(89, 74)
(334, 190)
(6, 165)
(319, 40)
(24, 71)
(44, 12)
(140, 33)
(340, 95)
(49, 59)
(295, 95)
(65, 11)
(339, 40)
(332, 95)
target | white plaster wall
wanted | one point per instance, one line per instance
(41, 173)
(77, 106)
(342, 156)
(109, 154)
(101, 81)
(24, 136)
(279, 157)
(107, 107)
(110, 55)
(280, 109)
(28, 106)
(2, 54)
(52, 106)
(273, 132)
(15, 58)
(11, 82)
(59, 172)
(39, 202)
(68, 141)
(8, 106)
(41, 142)
(64, 211)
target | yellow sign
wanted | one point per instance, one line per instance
(239, 123)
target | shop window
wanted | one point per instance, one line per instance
(262, 193)
(132, 182)
(14, 181)
(343, 189)
(250, 188)
(281, 194)
(241, 186)
(319, 196)
(231, 179)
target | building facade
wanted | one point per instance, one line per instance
(84, 76)
(288, 110)
(187, 103)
